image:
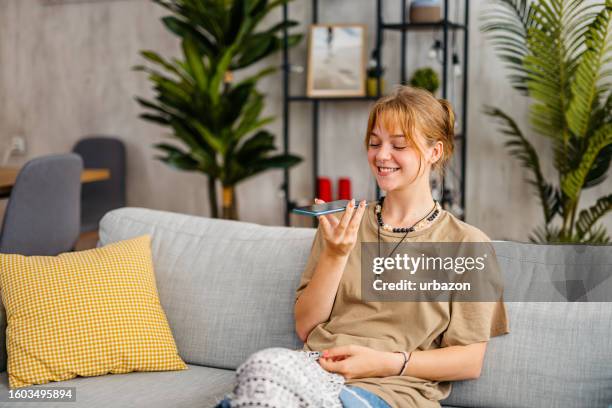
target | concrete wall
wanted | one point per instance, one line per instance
(65, 72)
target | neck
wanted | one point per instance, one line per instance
(406, 207)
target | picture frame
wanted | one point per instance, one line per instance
(336, 60)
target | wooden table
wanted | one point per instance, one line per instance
(8, 175)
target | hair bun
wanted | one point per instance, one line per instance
(450, 117)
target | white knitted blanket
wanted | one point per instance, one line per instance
(281, 378)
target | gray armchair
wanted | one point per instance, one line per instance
(44, 209)
(102, 196)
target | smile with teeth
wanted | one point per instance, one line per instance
(387, 170)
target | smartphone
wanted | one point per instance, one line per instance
(325, 208)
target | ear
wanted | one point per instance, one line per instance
(436, 152)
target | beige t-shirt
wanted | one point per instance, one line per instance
(394, 326)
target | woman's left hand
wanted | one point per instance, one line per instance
(361, 362)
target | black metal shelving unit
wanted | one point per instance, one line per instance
(445, 26)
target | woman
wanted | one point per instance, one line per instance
(389, 354)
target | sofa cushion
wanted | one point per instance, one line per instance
(557, 353)
(84, 313)
(227, 287)
(195, 387)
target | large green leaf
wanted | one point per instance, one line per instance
(550, 65)
(157, 59)
(211, 139)
(522, 149)
(283, 25)
(257, 145)
(199, 148)
(159, 119)
(584, 85)
(150, 105)
(171, 89)
(210, 17)
(548, 234)
(589, 217)
(220, 70)
(278, 162)
(184, 29)
(573, 182)
(599, 170)
(260, 46)
(507, 23)
(281, 161)
(177, 158)
(195, 62)
(598, 235)
(238, 14)
(235, 101)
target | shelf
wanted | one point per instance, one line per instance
(422, 26)
(457, 24)
(334, 98)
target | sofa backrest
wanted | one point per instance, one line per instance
(227, 287)
(558, 353)
(228, 290)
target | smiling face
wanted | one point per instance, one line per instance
(410, 134)
(394, 159)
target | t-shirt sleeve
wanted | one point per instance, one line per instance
(478, 321)
(475, 322)
(311, 264)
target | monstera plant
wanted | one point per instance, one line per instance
(559, 52)
(216, 118)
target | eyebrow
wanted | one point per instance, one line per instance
(377, 135)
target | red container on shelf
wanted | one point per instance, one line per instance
(344, 188)
(324, 189)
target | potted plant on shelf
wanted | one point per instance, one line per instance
(559, 53)
(217, 119)
(426, 78)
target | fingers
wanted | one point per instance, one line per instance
(339, 351)
(328, 229)
(346, 218)
(333, 366)
(353, 226)
(342, 234)
(332, 221)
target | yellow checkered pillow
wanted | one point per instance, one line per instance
(85, 313)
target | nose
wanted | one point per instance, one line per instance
(384, 153)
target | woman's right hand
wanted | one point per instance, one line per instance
(340, 236)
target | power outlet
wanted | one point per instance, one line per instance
(18, 145)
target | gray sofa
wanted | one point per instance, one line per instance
(228, 289)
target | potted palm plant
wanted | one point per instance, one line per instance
(559, 53)
(217, 119)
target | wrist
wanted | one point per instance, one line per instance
(394, 362)
(334, 255)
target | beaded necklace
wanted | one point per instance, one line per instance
(431, 215)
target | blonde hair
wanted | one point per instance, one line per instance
(416, 109)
